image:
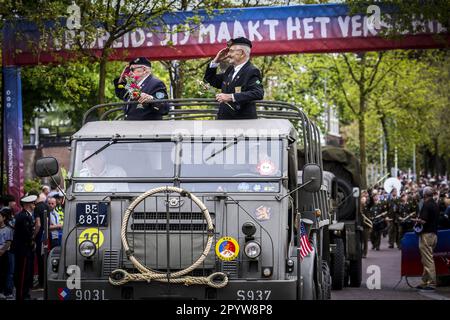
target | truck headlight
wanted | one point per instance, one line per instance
(252, 249)
(87, 249)
(55, 263)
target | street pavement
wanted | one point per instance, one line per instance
(392, 286)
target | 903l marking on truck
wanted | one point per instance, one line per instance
(193, 208)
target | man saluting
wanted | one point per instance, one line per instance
(241, 83)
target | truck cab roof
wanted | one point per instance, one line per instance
(168, 129)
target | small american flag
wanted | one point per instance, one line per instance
(305, 246)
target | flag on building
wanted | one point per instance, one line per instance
(305, 246)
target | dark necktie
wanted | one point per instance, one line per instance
(231, 74)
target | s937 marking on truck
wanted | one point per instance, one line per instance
(193, 208)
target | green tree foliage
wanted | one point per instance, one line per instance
(408, 16)
(32, 184)
(66, 90)
(401, 96)
(406, 108)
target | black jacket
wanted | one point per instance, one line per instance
(246, 87)
(41, 211)
(430, 213)
(152, 86)
(23, 233)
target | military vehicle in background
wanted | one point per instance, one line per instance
(342, 183)
(159, 209)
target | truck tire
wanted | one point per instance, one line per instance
(347, 208)
(355, 268)
(338, 265)
(326, 276)
(338, 170)
(344, 181)
(355, 273)
(318, 285)
(326, 244)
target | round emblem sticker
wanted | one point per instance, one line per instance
(89, 187)
(93, 234)
(160, 95)
(227, 248)
(266, 168)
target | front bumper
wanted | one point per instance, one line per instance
(234, 290)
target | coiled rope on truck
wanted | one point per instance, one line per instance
(119, 276)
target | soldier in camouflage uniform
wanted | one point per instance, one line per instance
(384, 208)
(405, 210)
(366, 227)
(378, 222)
(413, 200)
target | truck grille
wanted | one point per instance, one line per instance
(172, 227)
(110, 261)
(231, 268)
(184, 235)
(178, 221)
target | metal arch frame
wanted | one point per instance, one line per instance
(207, 108)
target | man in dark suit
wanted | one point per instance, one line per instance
(151, 89)
(23, 247)
(241, 83)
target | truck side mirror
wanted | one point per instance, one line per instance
(313, 173)
(46, 167)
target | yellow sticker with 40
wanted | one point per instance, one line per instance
(93, 234)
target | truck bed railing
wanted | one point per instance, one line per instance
(202, 109)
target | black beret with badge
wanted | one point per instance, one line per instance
(141, 61)
(241, 41)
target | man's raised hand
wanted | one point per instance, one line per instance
(222, 54)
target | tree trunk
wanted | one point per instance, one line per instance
(362, 149)
(102, 78)
(178, 89)
(362, 120)
(390, 155)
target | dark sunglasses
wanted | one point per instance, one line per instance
(135, 68)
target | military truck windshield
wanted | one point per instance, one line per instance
(244, 158)
(131, 159)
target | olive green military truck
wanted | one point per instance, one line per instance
(191, 207)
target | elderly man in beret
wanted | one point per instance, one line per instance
(241, 83)
(151, 88)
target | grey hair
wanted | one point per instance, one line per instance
(246, 49)
(428, 192)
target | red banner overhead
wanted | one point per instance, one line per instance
(274, 30)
